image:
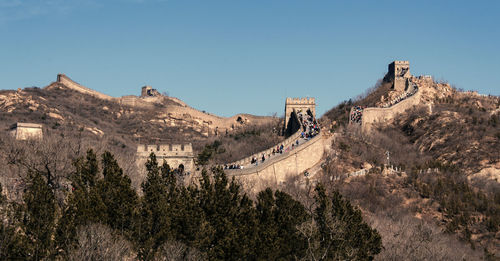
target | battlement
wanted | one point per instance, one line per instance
(165, 148)
(402, 63)
(176, 155)
(309, 101)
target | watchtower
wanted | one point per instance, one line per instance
(399, 72)
(148, 91)
(304, 105)
(176, 155)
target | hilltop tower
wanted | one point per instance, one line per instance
(399, 73)
(148, 91)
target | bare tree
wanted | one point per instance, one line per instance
(97, 242)
(177, 251)
(408, 238)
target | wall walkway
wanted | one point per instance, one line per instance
(280, 168)
(374, 115)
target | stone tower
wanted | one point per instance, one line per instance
(399, 72)
(306, 105)
(148, 91)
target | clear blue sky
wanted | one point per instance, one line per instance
(234, 56)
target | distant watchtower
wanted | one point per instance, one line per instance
(399, 72)
(304, 105)
(148, 91)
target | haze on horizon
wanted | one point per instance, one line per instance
(229, 57)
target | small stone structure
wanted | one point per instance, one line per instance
(399, 73)
(148, 91)
(306, 105)
(176, 155)
(26, 131)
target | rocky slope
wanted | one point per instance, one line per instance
(62, 109)
(445, 158)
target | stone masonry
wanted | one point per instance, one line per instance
(27, 131)
(299, 104)
(399, 72)
(148, 91)
(176, 155)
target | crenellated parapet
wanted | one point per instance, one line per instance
(300, 101)
(166, 149)
(176, 155)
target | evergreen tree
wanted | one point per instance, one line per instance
(279, 215)
(117, 195)
(342, 234)
(155, 210)
(39, 217)
(84, 204)
(231, 228)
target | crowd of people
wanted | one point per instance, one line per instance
(402, 97)
(309, 126)
(309, 129)
(356, 114)
(233, 166)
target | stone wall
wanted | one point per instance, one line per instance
(26, 131)
(286, 143)
(63, 79)
(174, 154)
(374, 115)
(279, 169)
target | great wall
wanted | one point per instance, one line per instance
(412, 91)
(171, 110)
(373, 115)
(299, 154)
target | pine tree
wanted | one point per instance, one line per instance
(279, 215)
(117, 195)
(230, 216)
(39, 217)
(84, 204)
(155, 210)
(342, 234)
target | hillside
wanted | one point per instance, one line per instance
(77, 118)
(446, 166)
(421, 162)
(63, 108)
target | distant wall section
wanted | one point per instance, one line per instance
(65, 80)
(373, 115)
